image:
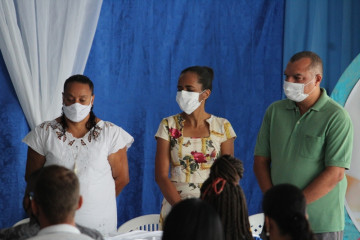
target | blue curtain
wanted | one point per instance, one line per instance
(13, 128)
(331, 28)
(139, 49)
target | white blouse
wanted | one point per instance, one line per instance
(88, 158)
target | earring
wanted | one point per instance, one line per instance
(267, 234)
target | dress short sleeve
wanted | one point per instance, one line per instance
(229, 131)
(163, 130)
(120, 139)
(221, 128)
(35, 139)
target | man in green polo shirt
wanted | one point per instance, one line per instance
(306, 140)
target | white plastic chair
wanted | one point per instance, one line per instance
(25, 220)
(257, 223)
(146, 223)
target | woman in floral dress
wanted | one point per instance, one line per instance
(189, 142)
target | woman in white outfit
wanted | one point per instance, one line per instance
(94, 149)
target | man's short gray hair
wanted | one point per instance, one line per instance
(316, 62)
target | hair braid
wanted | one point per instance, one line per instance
(230, 203)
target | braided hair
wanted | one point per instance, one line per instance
(91, 123)
(286, 205)
(223, 192)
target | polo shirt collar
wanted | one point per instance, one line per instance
(316, 107)
(321, 101)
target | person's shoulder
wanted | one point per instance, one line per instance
(173, 117)
(280, 103)
(335, 109)
(93, 233)
(20, 232)
(48, 125)
(107, 126)
(333, 105)
(221, 125)
(109, 129)
(62, 236)
(217, 120)
(173, 120)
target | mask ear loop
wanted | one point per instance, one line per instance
(202, 93)
(308, 84)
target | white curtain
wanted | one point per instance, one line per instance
(43, 42)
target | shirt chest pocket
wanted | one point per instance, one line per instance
(311, 147)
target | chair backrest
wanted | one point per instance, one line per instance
(147, 223)
(25, 220)
(257, 223)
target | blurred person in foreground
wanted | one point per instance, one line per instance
(54, 202)
(192, 219)
(284, 206)
(31, 228)
(223, 192)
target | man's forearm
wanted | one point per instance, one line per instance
(262, 173)
(323, 183)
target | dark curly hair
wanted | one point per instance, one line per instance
(223, 192)
(286, 205)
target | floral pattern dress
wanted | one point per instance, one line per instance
(191, 158)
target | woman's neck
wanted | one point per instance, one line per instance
(77, 129)
(197, 118)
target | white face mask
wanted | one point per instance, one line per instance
(188, 101)
(295, 91)
(77, 112)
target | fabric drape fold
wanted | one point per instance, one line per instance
(43, 43)
(329, 28)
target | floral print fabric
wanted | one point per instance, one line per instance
(191, 158)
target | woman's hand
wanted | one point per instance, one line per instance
(162, 164)
(120, 169)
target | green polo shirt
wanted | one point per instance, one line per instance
(300, 147)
